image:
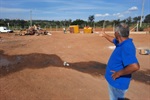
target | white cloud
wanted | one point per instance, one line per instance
(118, 15)
(102, 15)
(12, 10)
(134, 8)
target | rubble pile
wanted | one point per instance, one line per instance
(33, 30)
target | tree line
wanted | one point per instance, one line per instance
(23, 24)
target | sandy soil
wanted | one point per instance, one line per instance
(31, 67)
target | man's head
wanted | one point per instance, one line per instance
(122, 29)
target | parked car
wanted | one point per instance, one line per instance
(5, 30)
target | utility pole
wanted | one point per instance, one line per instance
(142, 13)
(137, 26)
(30, 17)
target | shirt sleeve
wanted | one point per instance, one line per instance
(115, 41)
(129, 55)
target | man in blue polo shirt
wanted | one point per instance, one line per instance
(122, 63)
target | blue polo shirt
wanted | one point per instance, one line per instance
(123, 55)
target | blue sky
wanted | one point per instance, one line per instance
(72, 9)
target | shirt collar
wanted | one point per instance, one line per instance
(125, 41)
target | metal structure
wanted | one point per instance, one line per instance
(142, 13)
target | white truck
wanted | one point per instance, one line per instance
(5, 30)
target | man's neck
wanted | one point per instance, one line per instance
(121, 39)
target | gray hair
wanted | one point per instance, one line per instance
(122, 29)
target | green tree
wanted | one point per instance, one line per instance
(91, 19)
(147, 19)
(79, 22)
(129, 21)
(2, 23)
(136, 19)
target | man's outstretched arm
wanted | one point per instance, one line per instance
(108, 37)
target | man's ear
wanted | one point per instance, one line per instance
(117, 33)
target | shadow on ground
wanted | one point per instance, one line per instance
(10, 64)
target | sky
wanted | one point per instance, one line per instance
(72, 9)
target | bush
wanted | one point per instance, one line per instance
(141, 28)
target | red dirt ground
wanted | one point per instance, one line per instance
(31, 67)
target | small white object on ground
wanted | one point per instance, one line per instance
(66, 64)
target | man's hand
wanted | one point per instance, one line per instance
(102, 34)
(128, 70)
(115, 75)
(108, 37)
